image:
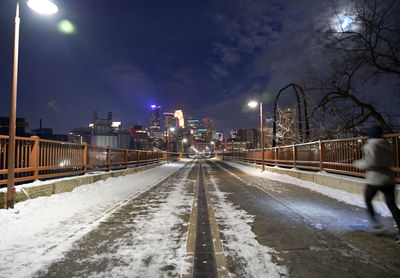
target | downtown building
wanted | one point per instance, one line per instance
(155, 122)
(20, 126)
(102, 132)
(169, 120)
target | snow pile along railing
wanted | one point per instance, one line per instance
(37, 158)
(334, 156)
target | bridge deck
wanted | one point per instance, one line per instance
(266, 228)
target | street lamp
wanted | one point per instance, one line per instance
(253, 104)
(169, 130)
(184, 140)
(45, 7)
(213, 144)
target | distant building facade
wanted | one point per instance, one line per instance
(21, 124)
(102, 132)
(169, 120)
(180, 119)
(209, 125)
(194, 125)
(139, 138)
(155, 122)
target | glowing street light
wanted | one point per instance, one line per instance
(184, 140)
(253, 104)
(169, 130)
(45, 7)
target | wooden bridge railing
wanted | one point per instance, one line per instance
(334, 156)
(38, 158)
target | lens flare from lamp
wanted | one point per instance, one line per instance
(66, 27)
(252, 104)
(45, 7)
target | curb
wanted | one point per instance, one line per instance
(66, 185)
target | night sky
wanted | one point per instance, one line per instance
(203, 57)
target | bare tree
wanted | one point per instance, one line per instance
(346, 105)
(368, 35)
(287, 126)
(363, 45)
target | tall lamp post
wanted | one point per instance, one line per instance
(184, 140)
(213, 146)
(45, 7)
(253, 104)
(169, 130)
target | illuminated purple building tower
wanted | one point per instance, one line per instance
(155, 124)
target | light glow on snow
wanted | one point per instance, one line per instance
(340, 195)
(240, 241)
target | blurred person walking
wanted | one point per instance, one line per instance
(377, 160)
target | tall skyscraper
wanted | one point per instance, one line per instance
(209, 125)
(169, 120)
(181, 120)
(194, 125)
(155, 123)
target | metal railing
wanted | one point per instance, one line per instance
(37, 158)
(334, 156)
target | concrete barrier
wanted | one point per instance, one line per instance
(51, 187)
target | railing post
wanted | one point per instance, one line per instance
(109, 158)
(321, 155)
(84, 157)
(126, 158)
(294, 156)
(34, 157)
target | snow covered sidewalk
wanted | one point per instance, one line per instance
(39, 231)
(340, 195)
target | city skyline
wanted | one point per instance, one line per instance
(204, 58)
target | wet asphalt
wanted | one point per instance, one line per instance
(314, 235)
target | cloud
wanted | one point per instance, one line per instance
(276, 39)
(53, 106)
(127, 78)
(219, 71)
(229, 55)
(244, 28)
